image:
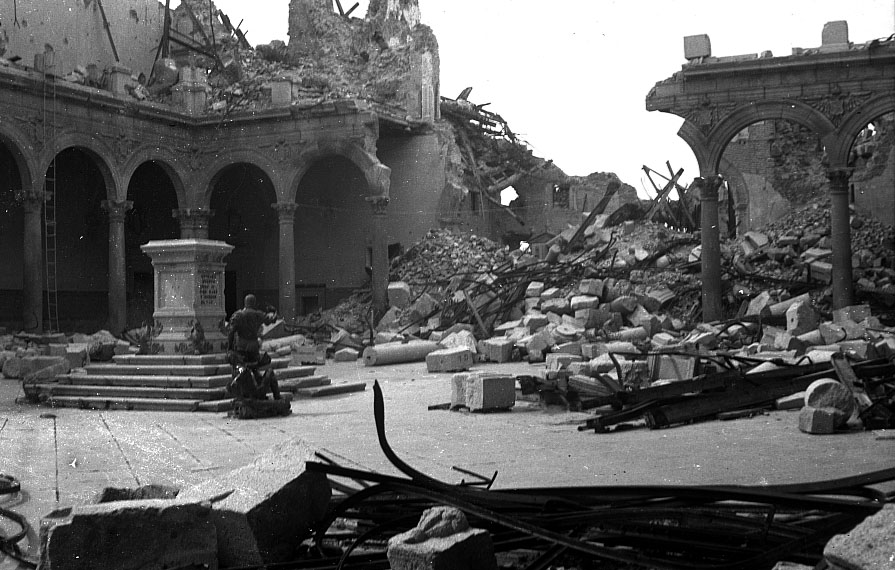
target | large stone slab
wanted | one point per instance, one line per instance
(442, 540)
(868, 546)
(149, 534)
(275, 501)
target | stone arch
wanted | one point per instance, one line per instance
(165, 159)
(377, 175)
(692, 135)
(96, 149)
(795, 111)
(16, 142)
(852, 124)
(211, 173)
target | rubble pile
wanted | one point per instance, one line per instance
(794, 253)
(443, 254)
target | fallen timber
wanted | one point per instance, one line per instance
(664, 527)
(725, 391)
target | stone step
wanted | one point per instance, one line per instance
(186, 369)
(195, 382)
(169, 360)
(160, 370)
(144, 392)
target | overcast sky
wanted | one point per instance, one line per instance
(571, 76)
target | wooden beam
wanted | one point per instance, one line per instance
(102, 12)
(663, 195)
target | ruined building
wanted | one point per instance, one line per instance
(841, 99)
(310, 169)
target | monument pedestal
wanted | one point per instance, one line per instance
(189, 295)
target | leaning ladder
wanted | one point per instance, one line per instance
(52, 290)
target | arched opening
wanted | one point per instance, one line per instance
(771, 166)
(241, 200)
(152, 192)
(12, 230)
(76, 188)
(333, 228)
(872, 181)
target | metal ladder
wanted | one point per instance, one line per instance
(49, 209)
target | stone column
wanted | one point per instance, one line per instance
(711, 248)
(193, 222)
(380, 254)
(286, 217)
(840, 229)
(32, 274)
(117, 267)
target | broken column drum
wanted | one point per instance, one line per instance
(189, 295)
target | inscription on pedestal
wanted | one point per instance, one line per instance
(209, 289)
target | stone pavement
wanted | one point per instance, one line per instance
(66, 456)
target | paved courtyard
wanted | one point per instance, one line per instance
(65, 456)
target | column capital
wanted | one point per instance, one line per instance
(378, 203)
(285, 210)
(708, 187)
(838, 178)
(117, 210)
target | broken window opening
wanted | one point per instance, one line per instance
(507, 195)
(560, 196)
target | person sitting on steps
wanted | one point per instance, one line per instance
(244, 343)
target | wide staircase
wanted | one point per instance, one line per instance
(165, 383)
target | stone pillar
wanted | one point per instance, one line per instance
(840, 229)
(117, 265)
(286, 217)
(380, 254)
(711, 248)
(189, 295)
(193, 222)
(32, 273)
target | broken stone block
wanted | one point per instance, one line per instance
(21, 367)
(801, 318)
(458, 388)
(274, 503)
(624, 305)
(488, 392)
(868, 545)
(389, 319)
(535, 321)
(464, 339)
(534, 289)
(449, 359)
(579, 302)
(399, 294)
(830, 394)
(557, 360)
(593, 318)
(499, 349)
(856, 313)
(821, 271)
(346, 355)
(442, 540)
(812, 338)
(130, 534)
(551, 293)
(832, 333)
(47, 374)
(760, 305)
(592, 287)
(558, 305)
(817, 420)
(779, 309)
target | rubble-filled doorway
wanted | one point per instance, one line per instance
(780, 166)
(151, 190)
(872, 158)
(333, 228)
(241, 199)
(11, 241)
(82, 239)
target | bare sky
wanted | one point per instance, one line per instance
(571, 76)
